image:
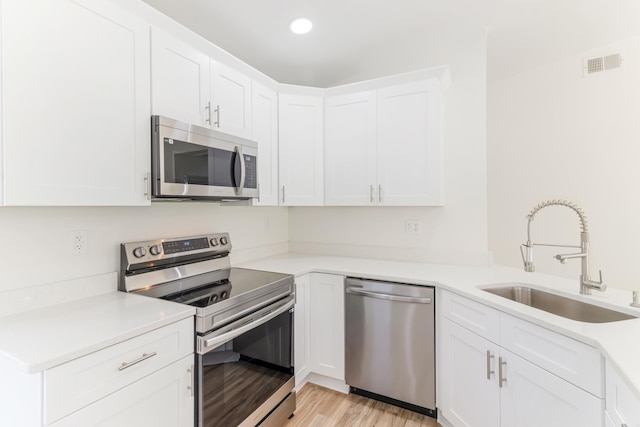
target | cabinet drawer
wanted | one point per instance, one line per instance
(474, 316)
(82, 381)
(565, 357)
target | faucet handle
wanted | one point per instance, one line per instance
(600, 281)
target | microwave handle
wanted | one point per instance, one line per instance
(239, 155)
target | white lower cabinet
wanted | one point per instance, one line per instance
(468, 392)
(481, 383)
(301, 328)
(623, 407)
(319, 329)
(326, 325)
(163, 399)
(532, 396)
(145, 381)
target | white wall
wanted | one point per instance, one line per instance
(455, 233)
(554, 134)
(36, 244)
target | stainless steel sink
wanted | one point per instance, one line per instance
(558, 305)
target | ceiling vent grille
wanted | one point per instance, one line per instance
(602, 63)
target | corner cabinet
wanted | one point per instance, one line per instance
(384, 146)
(76, 104)
(301, 150)
(499, 371)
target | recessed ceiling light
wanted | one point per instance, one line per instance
(301, 26)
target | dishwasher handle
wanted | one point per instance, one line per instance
(389, 297)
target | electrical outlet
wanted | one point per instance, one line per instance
(79, 242)
(412, 227)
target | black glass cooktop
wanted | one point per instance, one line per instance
(211, 288)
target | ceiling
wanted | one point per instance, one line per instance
(350, 35)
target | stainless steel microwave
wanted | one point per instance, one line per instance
(193, 162)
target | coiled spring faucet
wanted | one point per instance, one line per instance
(586, 284)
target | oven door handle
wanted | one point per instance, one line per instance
(209, 344)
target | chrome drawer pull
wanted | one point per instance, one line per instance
(144, 357)
(489, 370)
(501, 378)
(192, 380)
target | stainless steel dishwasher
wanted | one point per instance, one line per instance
(390, 343)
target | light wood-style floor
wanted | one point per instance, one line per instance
(320, 407)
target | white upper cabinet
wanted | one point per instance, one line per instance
(383, 147)
(230, 100)
(180, 86)
(191, 87)
(76, 103)
(410, 144)
(350, 149)
(264, 116)
(301, 136)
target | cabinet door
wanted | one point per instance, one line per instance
(350, 150)
(179, 80)
(409, 144)
(76, 107)
(531, 396)
(301, 174)
(301, 328)
(264, 115)
(162, 399)
(326, 325)
(467, 383)
(622, 405)
(230, 100)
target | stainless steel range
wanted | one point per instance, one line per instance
(244, 325)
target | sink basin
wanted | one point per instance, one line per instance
(558, 305)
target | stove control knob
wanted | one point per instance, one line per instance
(214, 242)
(224, 295)
(214, 298)
(155, 250)
(224, 240)
(139, 252)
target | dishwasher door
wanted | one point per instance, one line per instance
(390, 342)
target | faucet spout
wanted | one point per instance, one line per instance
(564, 257)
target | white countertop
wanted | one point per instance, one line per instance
(619, 342)
(40, 339)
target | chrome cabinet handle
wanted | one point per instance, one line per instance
(208, 108)
(501, 379)
(371, 192)
(283, 194)
(379, 193)
(239, 155)
(192, 380)
(389, 297)
(142, 358)
(147, 185)
(217, 122)
(489, 370)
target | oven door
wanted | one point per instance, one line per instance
(245, 369)
(195, 162)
